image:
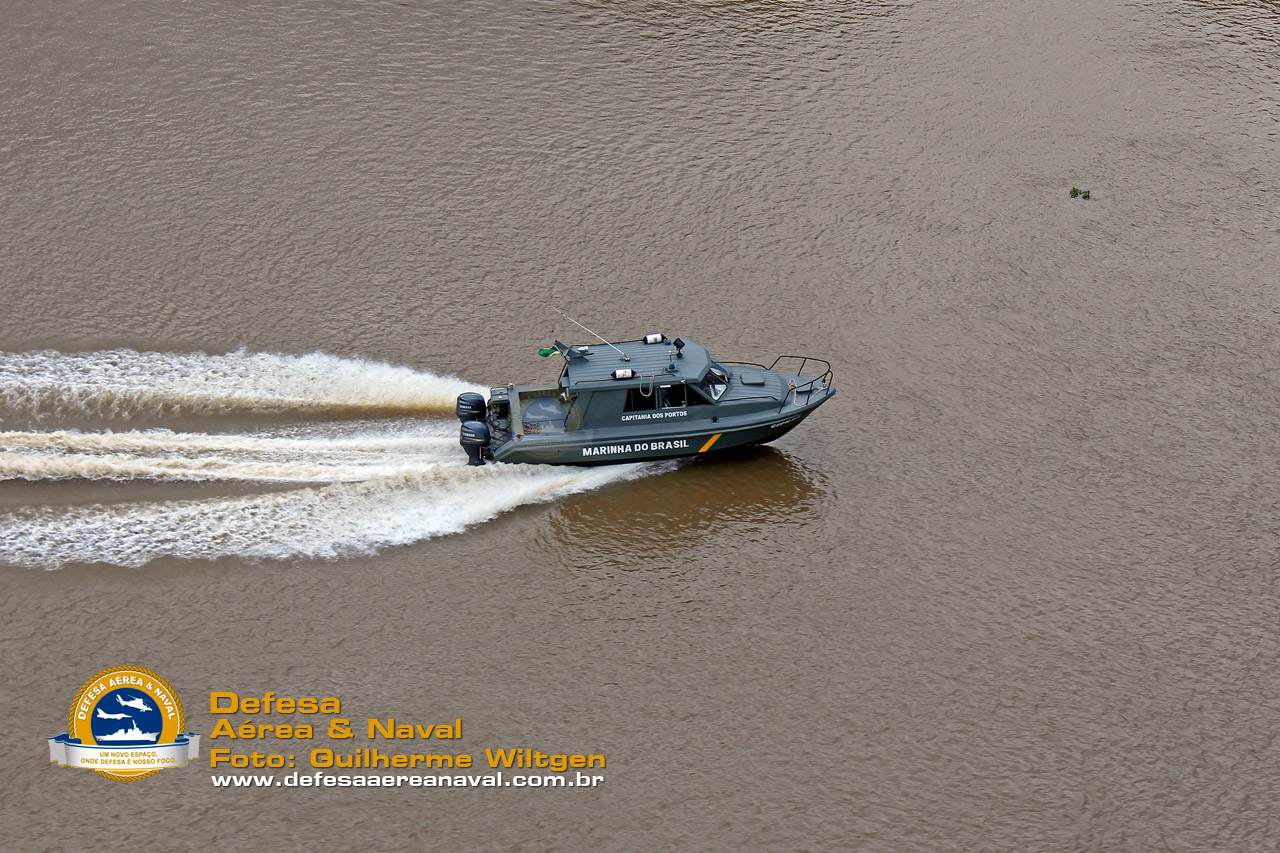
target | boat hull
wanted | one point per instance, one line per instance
(608, 447)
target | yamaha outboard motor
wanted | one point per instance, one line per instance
(471, 407)
(474, 438)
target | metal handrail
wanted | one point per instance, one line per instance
(807, 387)
(804, 360)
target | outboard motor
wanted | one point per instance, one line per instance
(471, 407)
(474, 438)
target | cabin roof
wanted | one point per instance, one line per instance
(596, 370)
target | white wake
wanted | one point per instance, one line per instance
(337, 520)
(122, 384)
(335, 455)
(362, 485)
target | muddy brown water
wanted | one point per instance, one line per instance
(1014, 588)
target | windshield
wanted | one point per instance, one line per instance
(716, 382)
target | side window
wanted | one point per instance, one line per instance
(679, 396)
(639, 402)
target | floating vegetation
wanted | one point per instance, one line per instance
(1076, 192)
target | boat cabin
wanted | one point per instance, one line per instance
(630, 383)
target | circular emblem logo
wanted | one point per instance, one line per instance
(122, 711)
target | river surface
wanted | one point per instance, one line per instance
(1014, 588)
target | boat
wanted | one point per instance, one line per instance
(636, 401)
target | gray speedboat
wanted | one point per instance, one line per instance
(655, 398)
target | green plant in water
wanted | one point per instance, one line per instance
(1076, 192)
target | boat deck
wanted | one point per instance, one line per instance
(645, 359)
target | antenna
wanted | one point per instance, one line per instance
(625, 357)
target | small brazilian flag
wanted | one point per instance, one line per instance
(546, 351)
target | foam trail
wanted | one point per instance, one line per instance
(290, 456)
(123, 384)
(331, 521)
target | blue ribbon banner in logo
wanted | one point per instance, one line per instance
(70, 752)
